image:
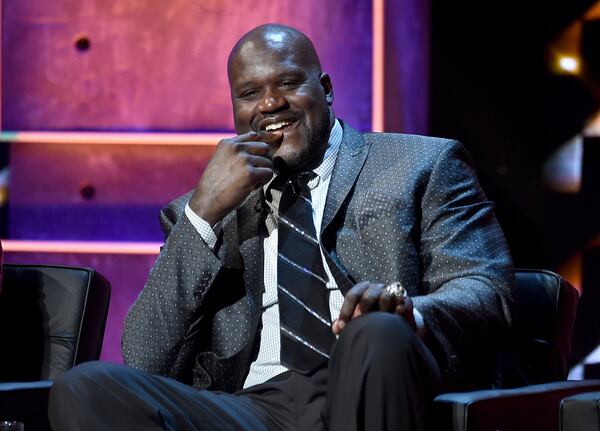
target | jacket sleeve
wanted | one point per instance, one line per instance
(159, 329)
(467, 271)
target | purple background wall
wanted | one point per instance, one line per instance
(160, 66)
(97, 192)
(407, 52)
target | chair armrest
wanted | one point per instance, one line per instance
(580, 412)
(26, 402)
(526, 408)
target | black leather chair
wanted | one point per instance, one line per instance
(537, 362)
(580, 412)
(51, 319)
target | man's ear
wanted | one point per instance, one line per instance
(327, 87)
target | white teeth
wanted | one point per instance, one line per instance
(276, 126)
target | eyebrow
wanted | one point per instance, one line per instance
(298, 72)
(243, 85)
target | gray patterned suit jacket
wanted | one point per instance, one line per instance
(399, 208)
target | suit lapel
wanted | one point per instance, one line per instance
(350, 160)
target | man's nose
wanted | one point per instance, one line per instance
(272, 101)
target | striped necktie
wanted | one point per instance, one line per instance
(305, 322)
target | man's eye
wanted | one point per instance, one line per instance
(248, 93)
(289, 84)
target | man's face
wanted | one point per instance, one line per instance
(278, 89)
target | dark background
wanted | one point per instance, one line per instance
(492, 89)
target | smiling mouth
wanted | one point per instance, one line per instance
(278, 126)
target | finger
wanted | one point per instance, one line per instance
(260, 176)
(257, 148)
(350, 301)
(337, 327)
(406, 310)
(261, 144)
(259, 161)
(271, 138)
(404, 306)
(370, 298)
(247, 137)
(272, 145)
(400, 309)
(387, 302)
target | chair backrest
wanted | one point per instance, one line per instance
(546, 305)
(51, 318)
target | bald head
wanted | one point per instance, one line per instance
(276, 38)
(278, 89)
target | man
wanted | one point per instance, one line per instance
(374, 214)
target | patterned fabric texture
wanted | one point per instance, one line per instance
(399, 208)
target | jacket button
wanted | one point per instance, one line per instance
(205, 279)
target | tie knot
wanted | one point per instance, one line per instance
(299, 183)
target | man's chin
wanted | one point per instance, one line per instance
(295, 154)
(289, 163)
(285, 167)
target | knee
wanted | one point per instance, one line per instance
(379, 336)
(81, 383)
(80, 374)
(378, 326)
(383, 347)
(70, 393)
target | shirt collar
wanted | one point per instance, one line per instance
(325, 169)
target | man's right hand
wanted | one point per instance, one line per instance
(239, 165)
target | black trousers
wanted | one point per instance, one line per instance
(380, 377)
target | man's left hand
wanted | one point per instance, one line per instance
(365, 297)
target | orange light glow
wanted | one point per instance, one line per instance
(568, 64)
(378, 66)
(571, 270)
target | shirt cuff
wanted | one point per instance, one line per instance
(202, 226)
(419, 322)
